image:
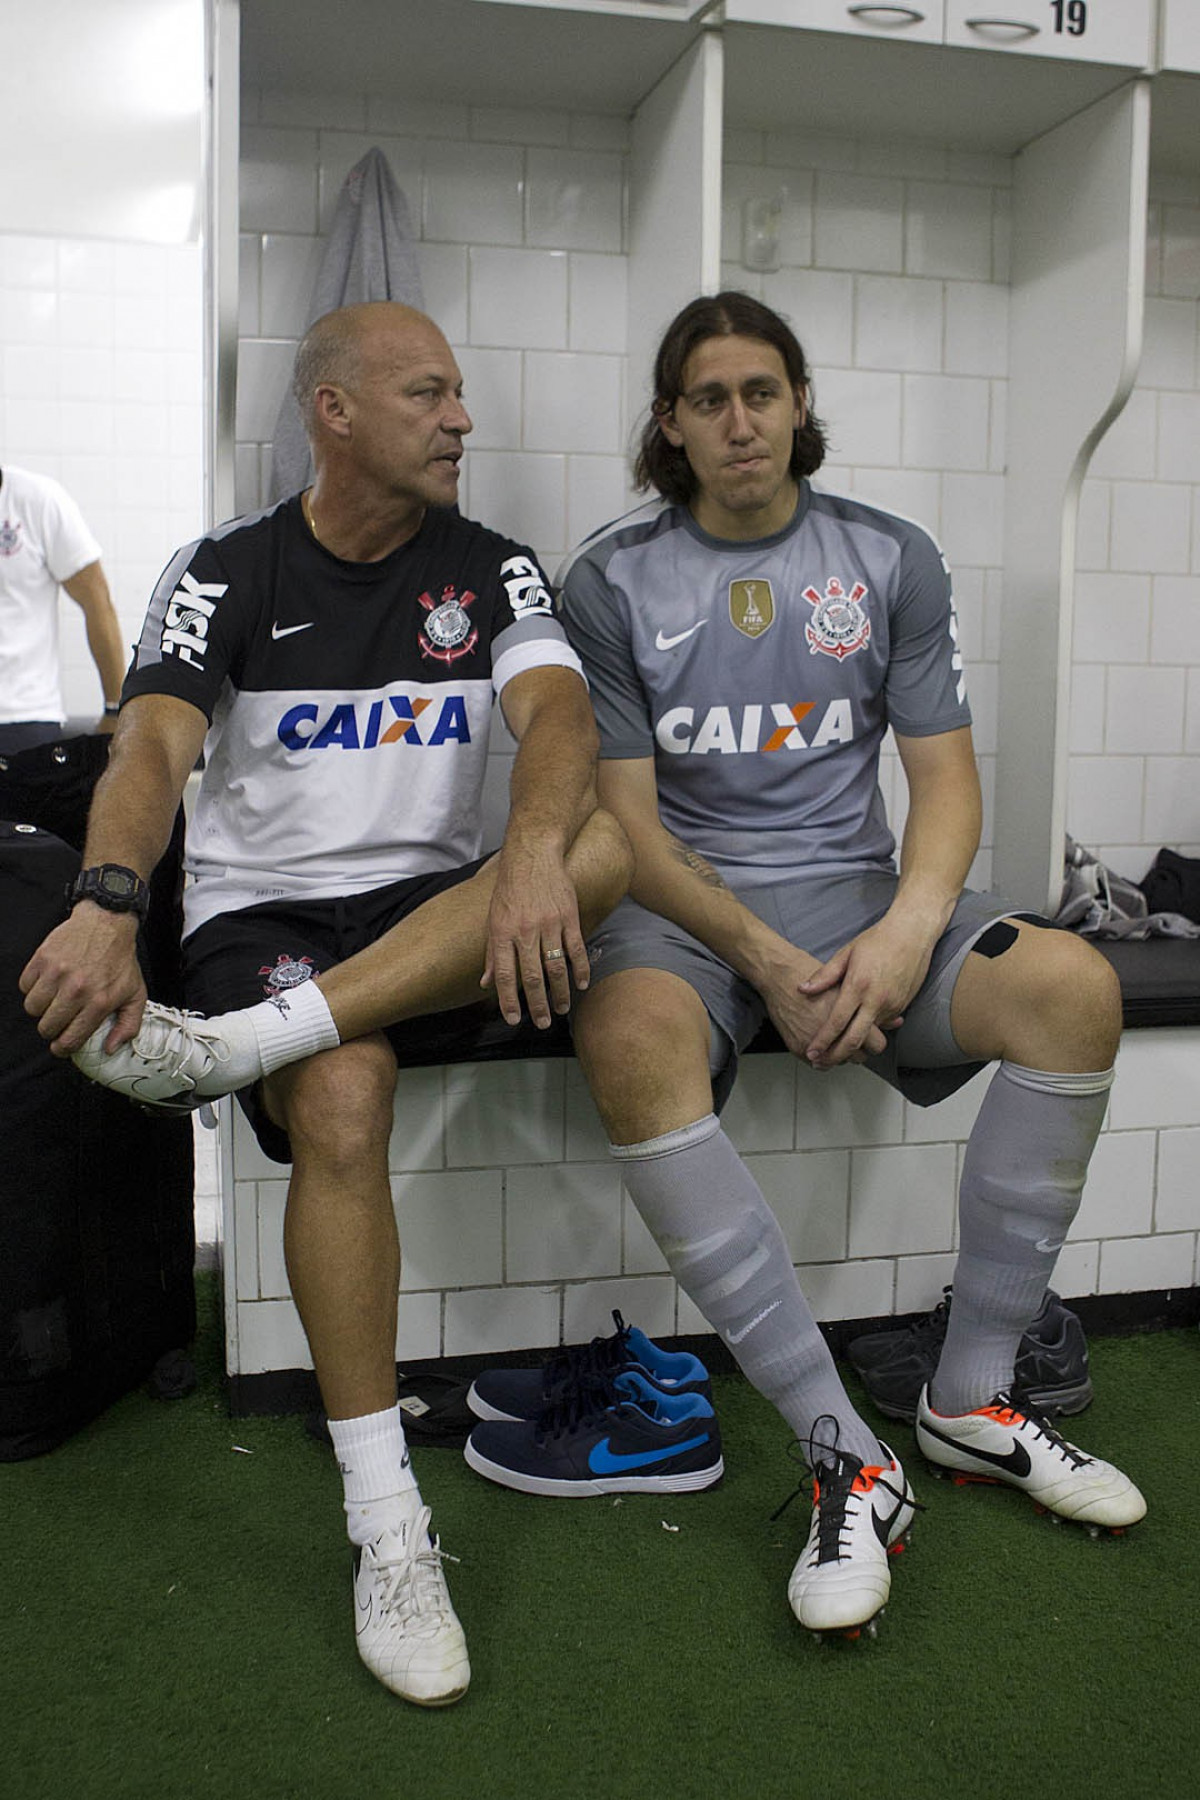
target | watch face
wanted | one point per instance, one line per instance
(122, 884)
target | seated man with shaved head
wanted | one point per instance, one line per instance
(336, 658)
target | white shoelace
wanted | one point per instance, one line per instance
(413, 1584)
(174, 1042)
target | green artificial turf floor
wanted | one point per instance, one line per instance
(175, 1621)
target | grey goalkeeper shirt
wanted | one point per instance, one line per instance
(762, 676)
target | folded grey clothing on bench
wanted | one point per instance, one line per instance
(1097, 902)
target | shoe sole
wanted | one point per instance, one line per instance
(173, 1106)
(441, 1699)
(524, 1483)
(968, 1478)
(484, 1410)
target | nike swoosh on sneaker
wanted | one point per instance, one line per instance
(1016, 1461)
(602, 1460)
(186, 1101)
(281, 631)
(362, 1608)
(663, 642)
(883, 1522)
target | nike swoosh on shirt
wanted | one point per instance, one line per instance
(1016, 1461)
(663, 642)
(281, 631)
(604, 1461)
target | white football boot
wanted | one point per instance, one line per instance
(407, 1630)
(1009, 1441)
(861, 1514)
(173, 1064)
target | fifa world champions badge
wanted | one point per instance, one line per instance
(838, 626)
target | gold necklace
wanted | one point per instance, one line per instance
(306, 509)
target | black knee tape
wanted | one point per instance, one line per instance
(996, 939)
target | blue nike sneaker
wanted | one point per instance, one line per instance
(620, 1437)
(526, 1393)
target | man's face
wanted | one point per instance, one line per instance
(404, 411)
(735, 420)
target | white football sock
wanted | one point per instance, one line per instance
(380, 1489)
(1022, 1180)
(263, 1038)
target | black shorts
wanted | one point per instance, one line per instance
(242, 957)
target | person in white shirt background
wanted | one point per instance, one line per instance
(45, 544)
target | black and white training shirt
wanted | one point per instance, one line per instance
(349, 704)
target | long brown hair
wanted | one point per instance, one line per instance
(665, 466)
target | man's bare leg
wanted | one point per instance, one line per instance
(343, 1258)
(340, 1238)
(432, 961)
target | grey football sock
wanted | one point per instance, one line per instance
(726, 1251)
(1022, 1180)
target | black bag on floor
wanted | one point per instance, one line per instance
(51, 786)
(97, 1233)
(1173, 885)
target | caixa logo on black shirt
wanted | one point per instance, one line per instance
(185, 628)
(400, 719)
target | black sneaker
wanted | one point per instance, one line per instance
(616, 1437)
(511, 1394)
(1051, 1371)
(924, 1336)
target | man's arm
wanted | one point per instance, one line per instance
(878, 973)
(534, 908)
(89, 590)
(678, 883)
(87, 967)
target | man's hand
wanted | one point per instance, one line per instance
(801, 1016)
(535, 943)
(871, 979)
(86, 969)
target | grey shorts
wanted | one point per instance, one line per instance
(922, 1059)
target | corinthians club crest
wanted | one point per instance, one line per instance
(838, 626)
(286, 972)
(448, 631)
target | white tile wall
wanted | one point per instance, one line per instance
(101, 386)
(894, 268)
(508, 1256)
(1141, 606)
